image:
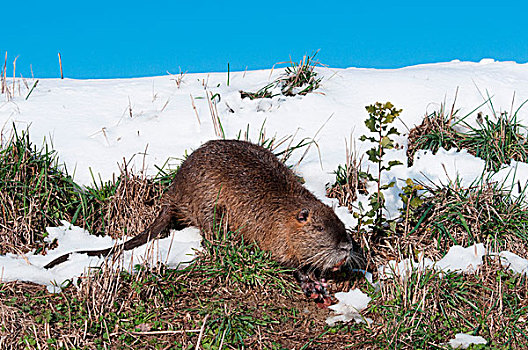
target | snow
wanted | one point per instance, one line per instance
(463, 341)
(348, 308)
(95, 124)
(514, 262)
(405, 267)
(460, 259)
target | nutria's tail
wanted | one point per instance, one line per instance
(158, 228)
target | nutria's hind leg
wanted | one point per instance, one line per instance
(211, 220)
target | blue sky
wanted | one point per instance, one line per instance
(107, 39)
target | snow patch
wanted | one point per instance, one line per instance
(514, 262)
(348, 308)
(175, 251)
(463, 341)
(459, 259)
(405, 267)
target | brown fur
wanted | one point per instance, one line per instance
(260, 196)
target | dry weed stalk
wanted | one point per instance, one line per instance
(3, 75)
(14, 73)
(10, 88)
(211, 100)
(179, 78)
(60, 65)
(195, 110)
(100, 288)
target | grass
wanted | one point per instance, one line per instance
(440, 216)
(427, 309)
(158, 308)
(498, 139)
(299, 78)
(282, 147)
(233, 295)
(483, 212)
(35, 192)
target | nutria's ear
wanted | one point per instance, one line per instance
(303, 215)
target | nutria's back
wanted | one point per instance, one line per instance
(259, 195)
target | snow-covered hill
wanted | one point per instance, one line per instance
(94, 124)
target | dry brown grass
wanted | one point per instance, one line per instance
(36, 192)
(157, 308)
(349, 181)
(130, 209)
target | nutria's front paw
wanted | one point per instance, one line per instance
(316, 290)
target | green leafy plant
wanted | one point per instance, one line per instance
(412, 201)
(381, 116)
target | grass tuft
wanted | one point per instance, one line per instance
(35, 192)
(299, 78)
(498, 139)
(427, 309)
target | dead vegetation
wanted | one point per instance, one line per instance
(253, 304)
(15, 86)
(37, 192)
(204, 306)
(350, 181)
(131, 204)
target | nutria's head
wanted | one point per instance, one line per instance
(321, 241)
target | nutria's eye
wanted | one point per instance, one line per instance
(319, 228)
(302, 216)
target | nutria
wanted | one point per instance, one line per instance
(257, 194)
